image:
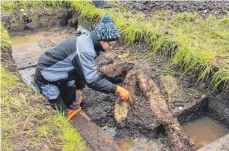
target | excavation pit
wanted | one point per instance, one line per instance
(141, 129)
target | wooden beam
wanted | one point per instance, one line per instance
(96, 138)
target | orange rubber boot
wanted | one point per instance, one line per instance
(79, 101)
(72, 113)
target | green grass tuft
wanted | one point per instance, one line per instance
(5, 39)
(28, 124)
(200, 46)
(10, 6)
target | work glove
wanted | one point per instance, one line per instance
(125, 95)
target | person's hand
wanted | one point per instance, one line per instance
(125, 95)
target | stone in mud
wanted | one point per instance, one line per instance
(176, 137)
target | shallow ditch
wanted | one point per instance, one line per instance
(141, 130)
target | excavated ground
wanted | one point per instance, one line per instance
(186, 99)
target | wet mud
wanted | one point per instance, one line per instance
(35, 18)
(217, 8)
(185, 100)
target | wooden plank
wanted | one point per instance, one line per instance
(96, 138)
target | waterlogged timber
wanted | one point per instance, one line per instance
(137, 118)
(176, 136)
(119, 69)
(121, 108)
(94, 135)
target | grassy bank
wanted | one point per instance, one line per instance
(10, 6)
(27, 122)
(200, 46)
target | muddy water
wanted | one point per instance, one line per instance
(142, 144)
(16, 40)
(204, 131)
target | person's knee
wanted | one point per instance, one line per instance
(50, 91)
(71, 83)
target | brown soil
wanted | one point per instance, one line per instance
(204, 8)
(35, 19)
(139, 119)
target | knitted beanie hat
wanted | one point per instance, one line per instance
(106, 30)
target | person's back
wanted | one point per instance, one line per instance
(56, 64)
(68, 67)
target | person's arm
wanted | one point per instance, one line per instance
(92, 78)
(95, 81)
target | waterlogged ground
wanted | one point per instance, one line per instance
(141, 130)
(204, 131)
(99, 106)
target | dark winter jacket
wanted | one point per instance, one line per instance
(74, 59)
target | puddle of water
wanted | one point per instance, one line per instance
(143, 144)
(126, 144)
(204, 131)
(16, 40)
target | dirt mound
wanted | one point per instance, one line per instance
(35, 18)
(203, 7)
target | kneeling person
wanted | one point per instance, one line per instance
(63, 71)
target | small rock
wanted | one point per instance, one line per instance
(205, 11)
(203, 96)
(119, 56)
(22, 10)
(90, 111)
(180, 108)
(111, 132)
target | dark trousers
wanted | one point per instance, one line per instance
(61, 96)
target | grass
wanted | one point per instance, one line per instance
(27, 123)
(5, 39)
(200, 46)
(10, 6)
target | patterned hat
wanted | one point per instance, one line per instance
(106, 30)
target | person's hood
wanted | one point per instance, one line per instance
(99, 49)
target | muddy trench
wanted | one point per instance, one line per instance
(150, 118)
